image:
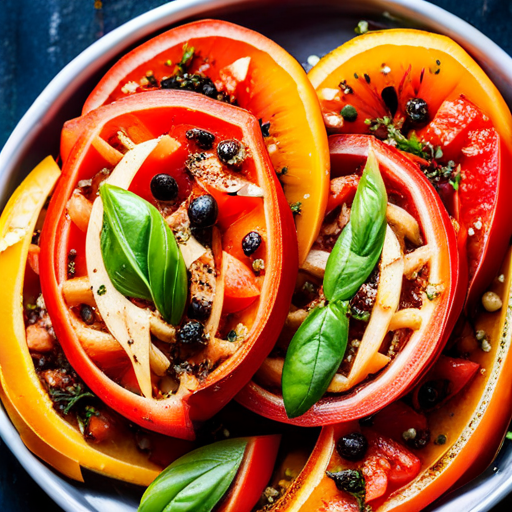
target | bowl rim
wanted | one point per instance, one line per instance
(97, 55)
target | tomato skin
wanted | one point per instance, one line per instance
(276, 90)
(349, 154)
(240, 288)
(175, 417)
(467, 137)
(253, 474)
(461, 100)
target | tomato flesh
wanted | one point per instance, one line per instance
(396, 418)
(448, 377)
(404, 465)
(343, 190)
(240, 286)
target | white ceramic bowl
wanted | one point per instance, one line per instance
(303, 27)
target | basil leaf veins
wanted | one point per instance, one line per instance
(318, 347)
(140, 253)
(197, 481)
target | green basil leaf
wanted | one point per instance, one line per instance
(359, 246)
(313, 357)
(167, 270)
(196, 481)
(124, 240)
(140, 253)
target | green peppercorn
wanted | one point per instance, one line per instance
(349, 113)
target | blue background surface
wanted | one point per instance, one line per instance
(39, 37)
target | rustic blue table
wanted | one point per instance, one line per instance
(38, 38)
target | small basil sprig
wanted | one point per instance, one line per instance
(317, 348)
(196, 481)
(140, 253)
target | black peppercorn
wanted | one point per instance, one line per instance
(192, 333)
(251, 243)
(428, 395)
(87, 314)
(202, 138)
(164, 187)
(352, 446)
(417, 110)
(203, 211)
(199, 309)
(231, 152)
(202, 235)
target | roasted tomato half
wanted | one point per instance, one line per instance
(425, 95)
(235, 65)
(399, 319)
(143, 234)
(438, 437)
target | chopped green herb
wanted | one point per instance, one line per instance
(432, 291)
(357, 314)
(455, 183)
(186, 59)
(83, 420)
(411, 145)
(509, 436)
(69, 396)
(349, 113)
(353, 482)
(435, 172)
(362, 27)
(296, 208)
(102, 290)
(168, 62)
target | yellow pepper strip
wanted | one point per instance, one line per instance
(30, 408)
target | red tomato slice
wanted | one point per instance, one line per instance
(467, 137)
(404, 465)
(253, 475)
(375, 471)
(166, 159)
(232, 208)
(33, 257)
(448, 377)
(450, 126)
(343, 190)
(240, 286)
(232, 239)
